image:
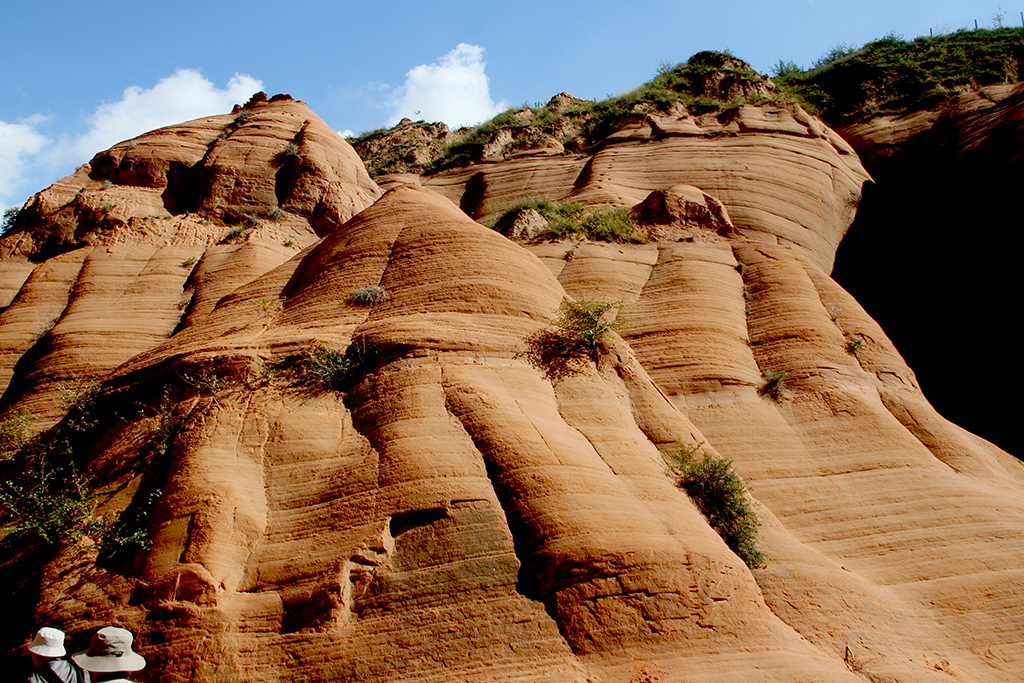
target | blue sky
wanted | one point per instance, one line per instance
(77, 77)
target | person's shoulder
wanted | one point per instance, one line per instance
(59, 665)
(64, 670)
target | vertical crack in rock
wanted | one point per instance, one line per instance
(521, 534)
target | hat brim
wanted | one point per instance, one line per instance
(130, 661)
(46, 650)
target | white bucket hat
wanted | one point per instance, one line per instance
(49, 642)
(111, 650)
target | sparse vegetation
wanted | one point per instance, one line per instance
(774, 384)
(47, 497)
(189, 262)
(367, 135)
(48, 501)
(892, 75)
(709, 82)
(122, 538)
(720, 495)
(578, 332)
(266, 307)
(241, 118)
(613, 225)
(205, 379)
(14, 432)
(129, 533)
(10, 218)
(854, 343)
(235, 234)
(600, 224)
(368, 296)
(277, 214)
(237, 122)
(106, 184)
(322, 368)
(834, 55)
(786, 69)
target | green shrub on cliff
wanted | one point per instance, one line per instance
(575, 339)
(719, 494)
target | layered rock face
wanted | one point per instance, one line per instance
(144, 239)
(781, 173)
(448, 511)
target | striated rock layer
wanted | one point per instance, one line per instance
(783, 175)
(449, 512)
(147, 237)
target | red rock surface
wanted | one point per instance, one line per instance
(146, 223)
(780, 173)
(454, 514)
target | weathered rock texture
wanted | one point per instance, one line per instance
(781, 174)
(146, 238)
(455, 515)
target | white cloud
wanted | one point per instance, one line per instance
(19, 142)
(30, 161)
(182, 96)
(347, 133)
(454, 89)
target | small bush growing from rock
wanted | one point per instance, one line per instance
(579, 329)
(368, 296)
(52, 503)
(14, 433)
(205, 379)
(854, 343)
(235, 234)
(322, 368)
(10, 217)
(719, 494)
(241, 118)
(129, 533)
(47, 497)
(773, 386)
(584, 319)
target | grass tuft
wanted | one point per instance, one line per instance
(368, 296)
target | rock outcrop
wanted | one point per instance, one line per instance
(144, 240)
(441, 508)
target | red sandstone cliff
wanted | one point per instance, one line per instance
(455, 514)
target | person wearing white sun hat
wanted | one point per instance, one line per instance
(48, 663)
(110, 657)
